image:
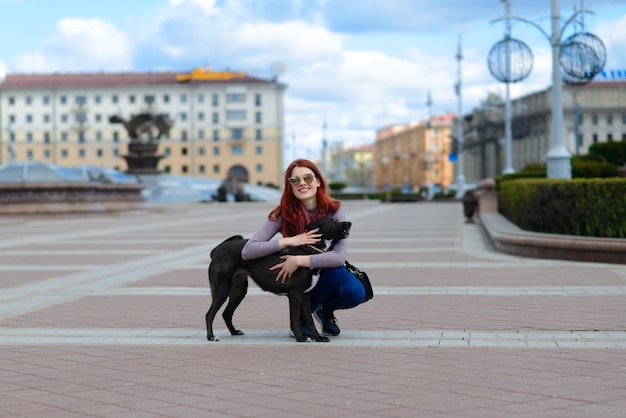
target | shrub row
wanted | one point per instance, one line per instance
(583, 207)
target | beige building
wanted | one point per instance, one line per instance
(414, 156)
(224, 123)
(353, 167)
(600, 108)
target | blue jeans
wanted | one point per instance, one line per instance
(337, 289)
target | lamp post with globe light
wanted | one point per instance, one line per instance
(576, 60)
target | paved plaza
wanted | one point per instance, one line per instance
(102, 315)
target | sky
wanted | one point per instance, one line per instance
(353, 66)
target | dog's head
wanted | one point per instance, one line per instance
(332, 231)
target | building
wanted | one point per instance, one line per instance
(414, 156)
(353, 167)
(226, 124)
(599, 107)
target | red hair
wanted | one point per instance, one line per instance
(289, 207)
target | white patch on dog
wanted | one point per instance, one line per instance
(314, 279)
(328, 243)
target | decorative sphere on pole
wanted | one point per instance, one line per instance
(510, 60)
(582, 57)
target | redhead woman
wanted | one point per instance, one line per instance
(304, 200)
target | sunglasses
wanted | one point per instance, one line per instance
(308, 179)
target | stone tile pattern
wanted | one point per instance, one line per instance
(103, 316)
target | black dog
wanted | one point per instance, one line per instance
(228, 277)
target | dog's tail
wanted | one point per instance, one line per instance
(234, 237)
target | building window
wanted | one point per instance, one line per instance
(183, 116)
(216, 118)
(609, 137)
(167, 151)
(46, 100)
(166, 98)
(183, 135)
(216, 135)
(81, 118)
(81, 153)
(184, 169)
(200, 98)
(201, 169)
(200, 116)
(236, 115)
(201, 151)
(131, 98)
(609, 119)
(63, 153)
(98, 117)
(29, 118)
(183, 98)
(80, 100)
(216, 151)
(11, 100)
(259, 168)
(46, 153)
(259, 150)
(236, 98)
(216, 169)
(116, 136)
(215, 100)
(595, 138)
(257, 99)
(200, 133)
(99, 152)
(46, 137)
(236, 133)
(63, 118)
(167, 169)
(149, 99)
(11, 118)
(257, 117)
(64, 136)
(98, 136)
(81, 137)
(97, 99)
(258, 134)
(116, 152)
(624, 119)
(29, 154)
(183, 151)
(29, 137)
(115, 99)
(63, 100)
(46, 118)
(236, 150)
(594, 119)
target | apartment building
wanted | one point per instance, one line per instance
(414, 156)
(225, 123)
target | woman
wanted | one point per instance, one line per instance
(305, 200)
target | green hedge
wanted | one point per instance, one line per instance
(583, 207)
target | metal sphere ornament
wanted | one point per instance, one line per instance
(510, 60)
(582, 57)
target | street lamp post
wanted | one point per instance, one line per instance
(461, 169)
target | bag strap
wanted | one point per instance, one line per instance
(354, 270)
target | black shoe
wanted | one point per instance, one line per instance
(328, 322)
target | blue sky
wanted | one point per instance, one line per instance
(359, 65)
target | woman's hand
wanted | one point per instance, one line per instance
(305, 238)
(287, 267)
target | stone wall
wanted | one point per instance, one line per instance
(49, 197)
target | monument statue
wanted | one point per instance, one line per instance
(145, 130)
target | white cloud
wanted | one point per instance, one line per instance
(80, 45)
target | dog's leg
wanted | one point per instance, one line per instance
(305, 307)
(220, 289)
(238, 291)
(295, 301)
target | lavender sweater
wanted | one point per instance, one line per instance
(261, 244)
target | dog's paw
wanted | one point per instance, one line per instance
(321, 339)
(238, 332)
(303, 339)
(213, 338)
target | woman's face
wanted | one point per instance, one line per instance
(304, 184)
